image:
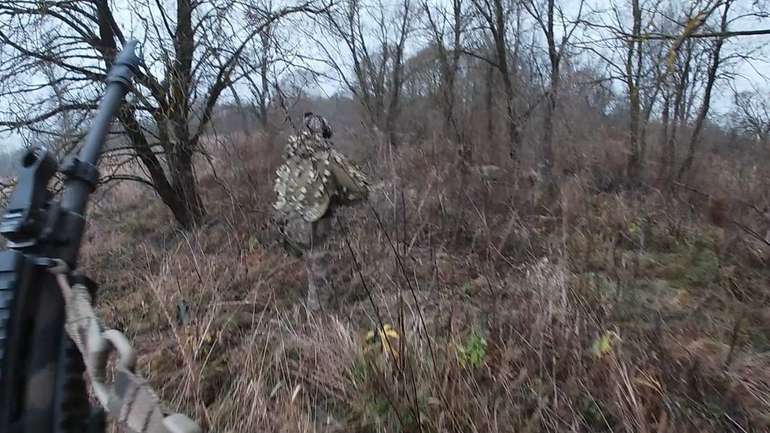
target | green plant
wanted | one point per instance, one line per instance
(473, 352)
(604, 344)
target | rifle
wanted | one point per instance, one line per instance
(49, 334)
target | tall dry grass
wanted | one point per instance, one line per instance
(596, 311)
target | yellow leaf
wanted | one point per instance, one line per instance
(387, 335)
(603, 345)
(692, 25)
(389, 332)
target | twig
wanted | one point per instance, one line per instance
(708, 35)
(740, 225)
(401, 266)
(374, 306)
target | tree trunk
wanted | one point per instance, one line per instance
(634, 159)
(397, 77)
(706, 105)
(514, 131)
(187, 216)
(449, 63)
(264, 90)
(634, 166)
(189, 209)
(489, 103)
(464, 149)
(644, 120)
(665, 156)
(553, 95)
(501, 50)
(550, 110)
(679, 116)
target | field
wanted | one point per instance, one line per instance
(504, 309)
(568, 228)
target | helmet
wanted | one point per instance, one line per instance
(317, 125)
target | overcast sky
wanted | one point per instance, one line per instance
(750, 76)
(8, 142)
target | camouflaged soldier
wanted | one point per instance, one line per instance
(310, 185)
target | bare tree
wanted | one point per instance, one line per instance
(257, 73)
(192, 58)
(374, 41)
(545, 15)
(639, 64)
(633, 72)
(621, 50)
(676, 84)
(448, 56)
(494, 16)
(263, 91)
(753, 115)
(711, 77)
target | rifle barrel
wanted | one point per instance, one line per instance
(77, 189)
(118, 84)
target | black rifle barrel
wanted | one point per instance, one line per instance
(77, 190)
(41, 375)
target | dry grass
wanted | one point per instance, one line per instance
(597, 312)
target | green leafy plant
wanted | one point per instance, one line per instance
(604, 344)
(253, 243)
(473, 352)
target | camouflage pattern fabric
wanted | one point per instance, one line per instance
(129, 399)
(310, 185)
(318, 260)
(317, 125)
(314, 177)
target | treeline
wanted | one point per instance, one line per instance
(547, 85)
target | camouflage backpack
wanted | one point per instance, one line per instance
(315, 177)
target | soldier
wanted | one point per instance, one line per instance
(311, 184)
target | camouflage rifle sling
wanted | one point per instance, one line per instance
(129, 399)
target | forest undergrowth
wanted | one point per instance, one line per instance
(465, 300)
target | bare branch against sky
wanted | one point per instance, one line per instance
(304, 47)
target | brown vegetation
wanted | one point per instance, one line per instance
(563, 234)
(612, 312)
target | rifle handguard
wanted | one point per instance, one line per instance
(41, 373)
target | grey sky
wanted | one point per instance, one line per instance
(750, 76)
(8, 141)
